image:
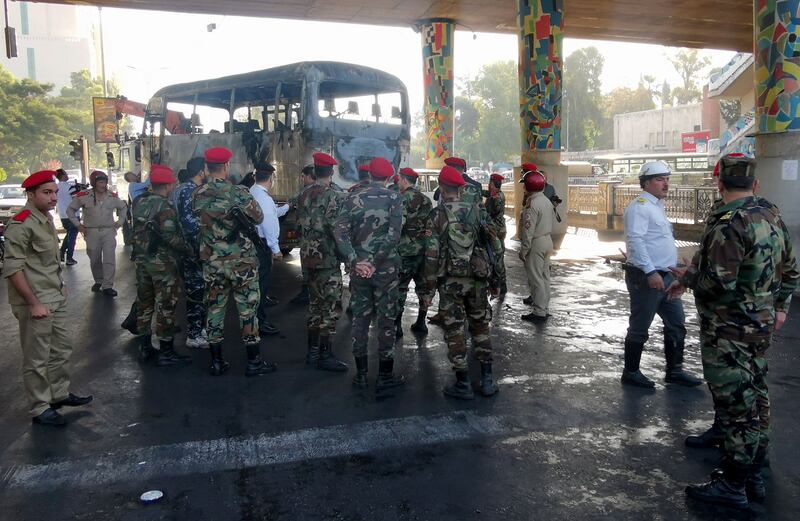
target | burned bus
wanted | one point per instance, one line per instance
(283, 115)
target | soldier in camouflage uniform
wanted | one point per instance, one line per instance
(156, 243)
(456, 260)
(367, 235)
(743, 278)
(229, 261)
(307, 176)
(318, 206)
(496, 208)
(192, 270)
(416, 210)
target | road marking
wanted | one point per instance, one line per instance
(198, 457)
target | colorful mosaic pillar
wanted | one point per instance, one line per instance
(541, 25)
(777, 65)
(437, 71)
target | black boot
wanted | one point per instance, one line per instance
(326, 361)
(146, 351)
(631, 374)
(420, 326)
(461, 388)
(312, 356)
(360, 379)
(488, 386)
(713, 437)
(130, 321)
(218, 365)
(386, 377)
(167, 355)
(727, 489)
(398, 326)
(256, 366)
(673, 352)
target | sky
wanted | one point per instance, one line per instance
(175, 47)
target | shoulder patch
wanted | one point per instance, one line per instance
(641, 200)
(21, 216)
(81, 194)
(727, 216)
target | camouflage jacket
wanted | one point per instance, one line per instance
(368, 226)
(317, 210)
(155, 208)
(358, 187)
(496, 208)
(436, 241)
(416, 210)
(744, 271)
(220, 238)
(189, 224)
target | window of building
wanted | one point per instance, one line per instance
(23, 18)
(31, 64)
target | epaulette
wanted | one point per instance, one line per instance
(641, 200)
(21, 216)
(114, 194)
(727, 216)
(81, 194)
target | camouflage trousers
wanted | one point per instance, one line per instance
(736, 373)
(195, 288)
(411, 268)
(378, 293)
(501, 260)
(324, 299)
(465, 300)
(239, 276)
(157, 293)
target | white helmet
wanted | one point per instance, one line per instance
(653, 169)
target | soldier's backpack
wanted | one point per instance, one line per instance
(465, 256)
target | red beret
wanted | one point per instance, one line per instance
(363, 168)
(719, 163)
(321, 159)
(534, 182)
(39, 178)
(218, 155)
(496, 177)
(95, 174)
(161, 175)
(529, 167)
(451, 177)
(380, 168)
(409, 172)
(456, 161)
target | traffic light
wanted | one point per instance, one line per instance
(77, 149)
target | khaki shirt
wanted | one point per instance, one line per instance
(98, 212)
(32, 248)
(537, 220)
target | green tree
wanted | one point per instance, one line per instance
(625, 99)
(583, 98)
(496, 91)
(688, 64)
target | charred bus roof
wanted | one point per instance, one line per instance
(259, 87)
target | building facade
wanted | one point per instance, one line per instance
(657, 130)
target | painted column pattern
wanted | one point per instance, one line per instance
(437, 65)
(777, 65)
(541, 25)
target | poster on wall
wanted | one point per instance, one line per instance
(105, 120)
(695, 141)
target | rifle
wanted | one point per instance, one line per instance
(245, 227)
(155, 237)
(485, 236)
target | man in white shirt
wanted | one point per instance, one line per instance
(65, 192)
(268, 230)
(651, 253)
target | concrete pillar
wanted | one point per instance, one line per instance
(437, 71)
(777, 78)
(540, 24)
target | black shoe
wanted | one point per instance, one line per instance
(167, 356)
(50, 417)
(96, 287)
(386, 377)
(111, 292)
(326, 360)
(461, 388)
(72, 401)
(681, 377)
(719, 491)
(713, 437)
(130, 324)
(71, 262)
(755, 487)
(146, 351)
(488, 386)
(637, 379)
(268, 329)
(256, 366)
(218, 365)
(360, 379)
(528, 300)
(536, 319)
(436, 319)
(420, 326)
(312, 355)
(270, 301)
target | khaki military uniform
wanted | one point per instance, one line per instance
(101, 231)
(32, 248)
(536, 248)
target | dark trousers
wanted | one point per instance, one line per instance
(646, 303)
(68, 244)
(195, 296)
(264, 269)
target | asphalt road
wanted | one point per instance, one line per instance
(561, 440)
